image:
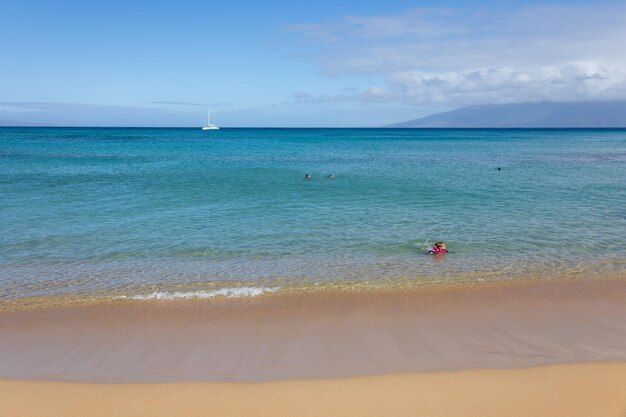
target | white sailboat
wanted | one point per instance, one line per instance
(210, 126)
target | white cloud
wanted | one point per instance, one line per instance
(460, 56)
(81, 114)
(372, 94)
(567, 82)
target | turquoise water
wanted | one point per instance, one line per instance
(126, 210)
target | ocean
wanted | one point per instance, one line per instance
(93, 213)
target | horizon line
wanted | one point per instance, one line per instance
(310, 127)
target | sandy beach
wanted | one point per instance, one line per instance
(557, 391)
(320, 333)
(532, 348)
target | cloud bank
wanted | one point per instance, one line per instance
(184, 103)
(82, 114)
(461, 56)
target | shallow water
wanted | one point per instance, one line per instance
(138, 211)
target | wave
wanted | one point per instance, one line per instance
(229, 292)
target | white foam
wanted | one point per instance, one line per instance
(229, 292)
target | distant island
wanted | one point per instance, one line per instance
(528, 115)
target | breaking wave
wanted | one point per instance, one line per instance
(234, 292)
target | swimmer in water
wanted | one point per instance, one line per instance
(438, 248)
(307, 177)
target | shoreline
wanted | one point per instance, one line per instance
(326, 333)
(251, 289)
(576, 390)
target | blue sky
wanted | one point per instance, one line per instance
(279, 63)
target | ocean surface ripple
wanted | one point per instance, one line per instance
(136, 212)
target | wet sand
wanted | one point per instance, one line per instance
(324, 333)
(582, 390)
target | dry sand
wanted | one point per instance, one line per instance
(585, 390)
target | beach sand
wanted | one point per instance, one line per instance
(320, 333)
(585, 390)
(531, 348)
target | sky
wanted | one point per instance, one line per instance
(299, 64)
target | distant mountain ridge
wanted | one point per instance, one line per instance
(528, 115)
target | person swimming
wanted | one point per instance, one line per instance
(438, 248)
(307, 177)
